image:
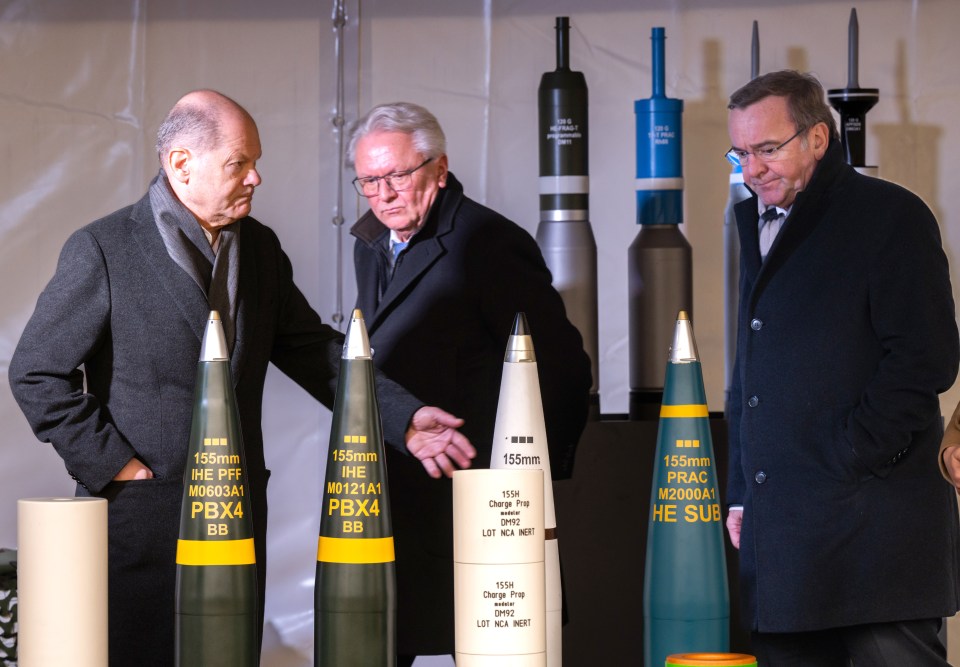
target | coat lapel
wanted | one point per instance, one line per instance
(188, 299)
(805, 216)
(416, 260)
(425, 250)
(248, 298)
(747, 227)
(370, 232)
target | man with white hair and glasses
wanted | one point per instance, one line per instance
(440, 279)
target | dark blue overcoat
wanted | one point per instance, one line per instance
(440, 327)
(847, 334)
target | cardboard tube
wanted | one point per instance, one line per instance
(62, 582)
(499, 574)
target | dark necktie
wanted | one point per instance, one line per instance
(769, 228)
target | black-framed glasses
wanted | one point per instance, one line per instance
(739, 157)
(398, 181)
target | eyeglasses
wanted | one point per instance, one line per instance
(398, 181)
(738, 157)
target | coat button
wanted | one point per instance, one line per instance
(760, 477)
(756, 324)
(753, 401)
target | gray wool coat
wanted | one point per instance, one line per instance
(121, 317)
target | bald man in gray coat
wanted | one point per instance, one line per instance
(105, 368)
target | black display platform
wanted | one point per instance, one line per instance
(602, 518)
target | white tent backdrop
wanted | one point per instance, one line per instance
(85, 85)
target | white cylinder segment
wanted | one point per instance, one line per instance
(499, 573)
(62, 582)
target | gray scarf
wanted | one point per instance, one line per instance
(216, 274)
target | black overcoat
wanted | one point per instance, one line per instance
(121, 316)
(440, 328)
(846, 337)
